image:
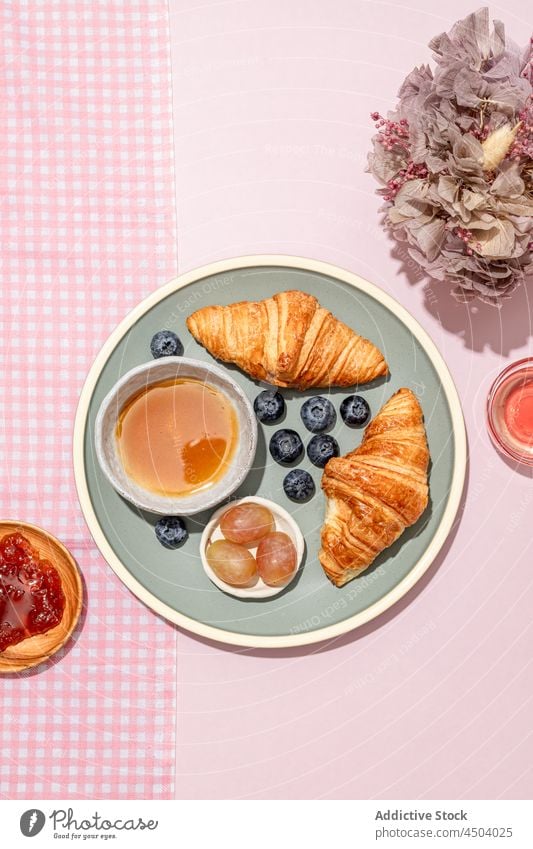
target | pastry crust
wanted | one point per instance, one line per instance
(375, 492)
(287, 340)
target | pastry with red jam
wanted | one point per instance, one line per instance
(32, 600)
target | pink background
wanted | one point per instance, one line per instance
(271, 123)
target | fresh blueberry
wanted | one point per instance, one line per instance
(269, 406)
(355, 410)
(171, 531)
(321, 449)
(165, 343)
(318, 414)
(299, 485)
(286, 447)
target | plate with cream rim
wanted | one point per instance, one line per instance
(173, 582)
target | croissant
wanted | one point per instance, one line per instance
(288, 340)
(376, 491)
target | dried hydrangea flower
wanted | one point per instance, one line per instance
(455, 161)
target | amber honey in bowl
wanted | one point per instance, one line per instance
(178, 436)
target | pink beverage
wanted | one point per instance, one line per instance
(510, 411)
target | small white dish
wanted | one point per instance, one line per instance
(284, 523)
(167, 368)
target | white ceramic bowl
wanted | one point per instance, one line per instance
(167, 368)
(284, 523)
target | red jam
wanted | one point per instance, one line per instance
(31, 597)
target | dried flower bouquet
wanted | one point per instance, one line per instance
(455, 161)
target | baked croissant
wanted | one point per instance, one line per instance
(288, 340)
(376, 491)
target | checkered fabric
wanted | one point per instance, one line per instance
(88, 221)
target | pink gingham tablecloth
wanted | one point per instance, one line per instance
(88, 227)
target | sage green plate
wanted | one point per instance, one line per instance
(173, 583)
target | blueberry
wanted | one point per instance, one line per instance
(286, 447)
(171, 531)
(355, 410)
(299, 485)
(269, 406)
(165, 343)
(318, 414)
(321, 449)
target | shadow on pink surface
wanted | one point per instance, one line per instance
(525, 471)
(479, 324)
